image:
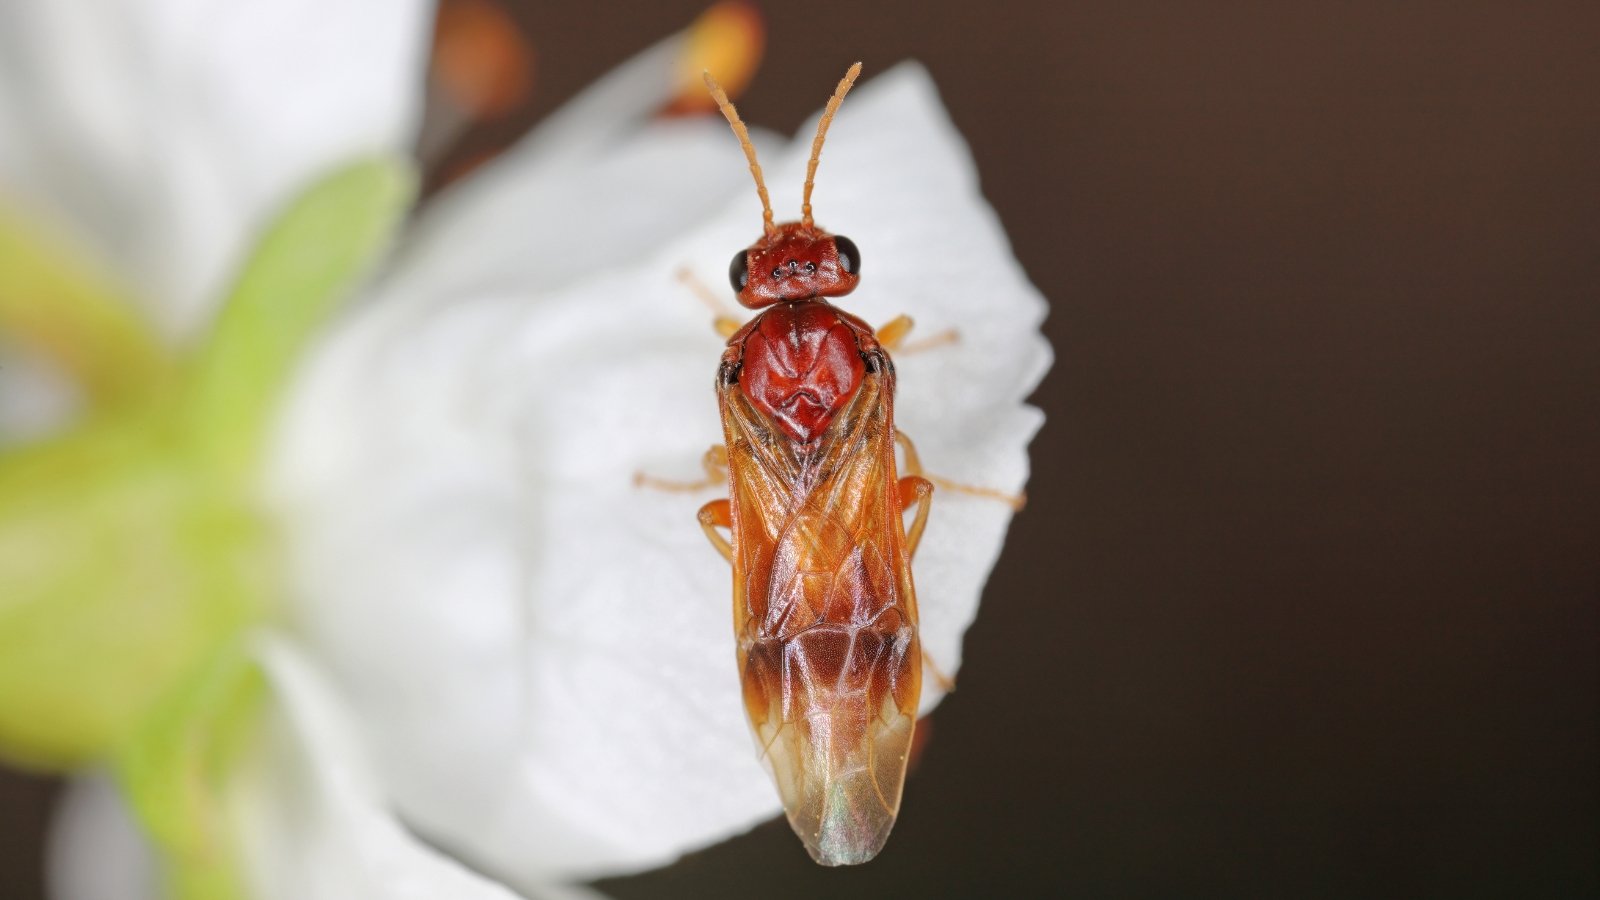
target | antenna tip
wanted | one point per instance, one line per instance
(855, 69)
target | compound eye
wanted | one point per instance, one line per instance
(739, 270)
(849, 256)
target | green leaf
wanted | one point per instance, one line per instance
(120, 571)
(176, 768)
(53, 298)
(308, 261)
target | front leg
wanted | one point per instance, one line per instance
(892, 337)
(723, 319)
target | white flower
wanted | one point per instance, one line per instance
(160, 137)
(495, 633)
(543, 651)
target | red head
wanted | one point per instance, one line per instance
(795, 260)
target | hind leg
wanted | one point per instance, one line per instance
(914, 466)
(914, 490)
(714, 515)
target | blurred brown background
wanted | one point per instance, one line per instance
(1307, 601)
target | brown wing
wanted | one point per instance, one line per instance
(825, 615)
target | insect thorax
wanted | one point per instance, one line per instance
(801, 364)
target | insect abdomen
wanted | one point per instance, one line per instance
(834, 709)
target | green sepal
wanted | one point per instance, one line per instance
(176, 767)
(120, 571)
(309, 260)
(54, 299)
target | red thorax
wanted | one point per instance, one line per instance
(802, 363)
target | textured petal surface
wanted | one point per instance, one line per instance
(542, 651)
(164, 132)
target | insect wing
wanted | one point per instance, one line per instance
(825, 616)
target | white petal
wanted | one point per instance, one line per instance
(95, 850)
(311, 816)
(165, 132)
(543, 651)
(601, 182)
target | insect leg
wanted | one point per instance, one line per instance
(945, 682)
(714, 515)
(914, 489)
(914, 466)
(715, 463)
(723, 319)
(892, 336)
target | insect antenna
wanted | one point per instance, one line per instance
(822, 132)
(732, 115)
